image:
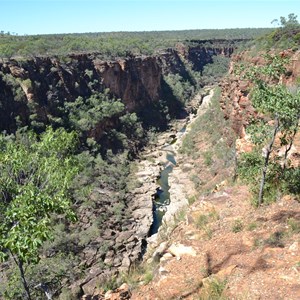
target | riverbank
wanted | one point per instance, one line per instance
(181, 188)
(222, 247)
(152, 218)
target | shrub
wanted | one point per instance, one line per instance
(294, 225)
(213, 290)
(249, 166)
(237, 226)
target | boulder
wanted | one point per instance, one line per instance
(127, 236)
(179, 250)
(158, 253)
(121, 293)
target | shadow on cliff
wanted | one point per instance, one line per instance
(158, 114)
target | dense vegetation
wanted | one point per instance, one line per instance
(104, 178)
(273, 133)
(32, 172)
(36, 174)
(115, 43)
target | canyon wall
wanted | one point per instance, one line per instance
(235, 100)
(40, 86)
(47, 83)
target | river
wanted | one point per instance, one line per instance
(163, 202)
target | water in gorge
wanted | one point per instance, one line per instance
(162, 195)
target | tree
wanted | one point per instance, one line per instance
(35, 175)
(290, 22)
(271, 97)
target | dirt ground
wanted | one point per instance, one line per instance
(255, 253)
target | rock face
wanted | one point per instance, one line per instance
(46, 83)
(136, 81)
(202, 54)
(235, 100)
(41, 85)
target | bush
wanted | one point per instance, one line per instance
(213, 290)
(237, 226)
(214, 71)
(249, 166)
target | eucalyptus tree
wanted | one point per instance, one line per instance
(35, 176)
(277, 101)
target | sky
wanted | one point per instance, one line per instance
(77, 16)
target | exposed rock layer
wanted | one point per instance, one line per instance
(235, 100)
(42, 85)
(47, 83)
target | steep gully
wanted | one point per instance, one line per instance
(169, 197)
(230, 256)
(46, 83)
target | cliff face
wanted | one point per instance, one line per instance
(42, 85)
(136, 81)
(47, 83)
(235, 100)
(200, 56)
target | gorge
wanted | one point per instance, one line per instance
(161, 208)
(113, 223)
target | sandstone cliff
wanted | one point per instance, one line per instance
(47, 83)
(235, 100)
(38, 88)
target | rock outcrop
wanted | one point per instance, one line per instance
(43, 84)
(235, 100)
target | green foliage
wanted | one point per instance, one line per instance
(35, 178)
(214, 71)
(84, 114)
(50, 271)
(182, 89)
(27, 83)
(213, 290)
(89, 234)
(291, 181)
(252, 226)
(294, 225)
(259, 132)
(290, 22)
(275, 240)
(110, 284)
(281, 104)
(249, 166)
(202, 221)
(114, 43)
(14, 83)
(237, 226)
(139, 273)
(208, 158)
(192, 200)
(277, 100)
(286, 36)
(132, 126)
(106, 116)
(249, 170)
(196, 181)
